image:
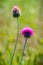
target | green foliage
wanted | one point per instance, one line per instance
(8, 28)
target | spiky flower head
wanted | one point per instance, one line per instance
(16, 11)
(27, 32)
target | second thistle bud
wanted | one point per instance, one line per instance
(16, 11)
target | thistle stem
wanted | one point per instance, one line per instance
(23, 52)
(15, 43)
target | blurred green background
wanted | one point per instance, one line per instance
(31, 16)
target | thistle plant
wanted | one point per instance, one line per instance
(27, 33)
(16, 13)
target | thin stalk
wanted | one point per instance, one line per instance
(23, 52)
(15, 43)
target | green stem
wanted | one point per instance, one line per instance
(15, 43)
(23, 52)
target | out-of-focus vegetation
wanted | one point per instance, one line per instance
(32, 16)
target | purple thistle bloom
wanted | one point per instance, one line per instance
(16, 11)
(27, 32)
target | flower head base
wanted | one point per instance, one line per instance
(16, 11)
(27, 32)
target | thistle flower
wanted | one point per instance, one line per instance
(27, 32)
(16, 11)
